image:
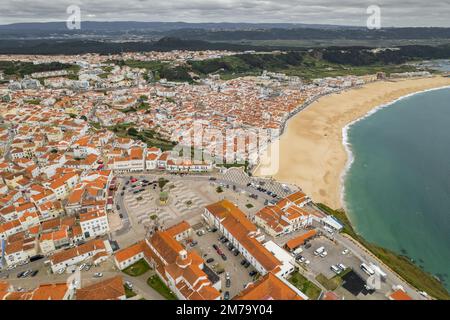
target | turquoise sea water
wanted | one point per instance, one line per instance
(397, 190)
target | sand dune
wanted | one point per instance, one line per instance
(312, 155)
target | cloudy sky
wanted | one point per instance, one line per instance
(343, 12)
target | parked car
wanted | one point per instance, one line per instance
(20, 274)
(193, 243)
(82, 267)
(342, 266)
(246, 265)
(243, 262)
(215, 246)
(224, 257)
(252, 273)
(98, 275)
(129, 285)
(61, 271)
(345, 251)
(228, 283)
(235, 252)
(118, 207)
(34, 273)
(210, 260)
(226, 295)
(335, 269)
(27, 273)
(214, 229)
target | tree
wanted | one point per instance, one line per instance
(132, 131)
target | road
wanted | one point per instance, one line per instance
(358, 250)
(365, 255)
(140, 285)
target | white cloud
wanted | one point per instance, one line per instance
(348, 12)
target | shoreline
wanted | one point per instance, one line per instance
(313, 148)
(348, 146)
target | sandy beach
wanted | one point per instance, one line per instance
(312, 154)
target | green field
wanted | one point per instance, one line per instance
(129, 293)
(400, 264)
(305, 286)
(329, 284)
(156, 283)
(137, 269)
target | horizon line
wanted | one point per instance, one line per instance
(222, 22)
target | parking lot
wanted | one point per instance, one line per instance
(335, 256)
(238, 273)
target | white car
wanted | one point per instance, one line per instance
(98, 275)
(82, 267)
(345, 252)
(342, 266)
(227, 275)
(61, 271)
(335, 269)
(323, 254)
(307, 262)
(129, 285)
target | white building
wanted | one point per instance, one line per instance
(94, 223)
(66, 258)
(242, 234)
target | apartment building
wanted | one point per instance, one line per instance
(94, 223)
(134, 161)
(286, 216)
(63, 259)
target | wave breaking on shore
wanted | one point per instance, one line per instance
(348, 147)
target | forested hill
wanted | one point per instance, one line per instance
(49, 47)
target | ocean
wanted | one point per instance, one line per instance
(397, 188)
